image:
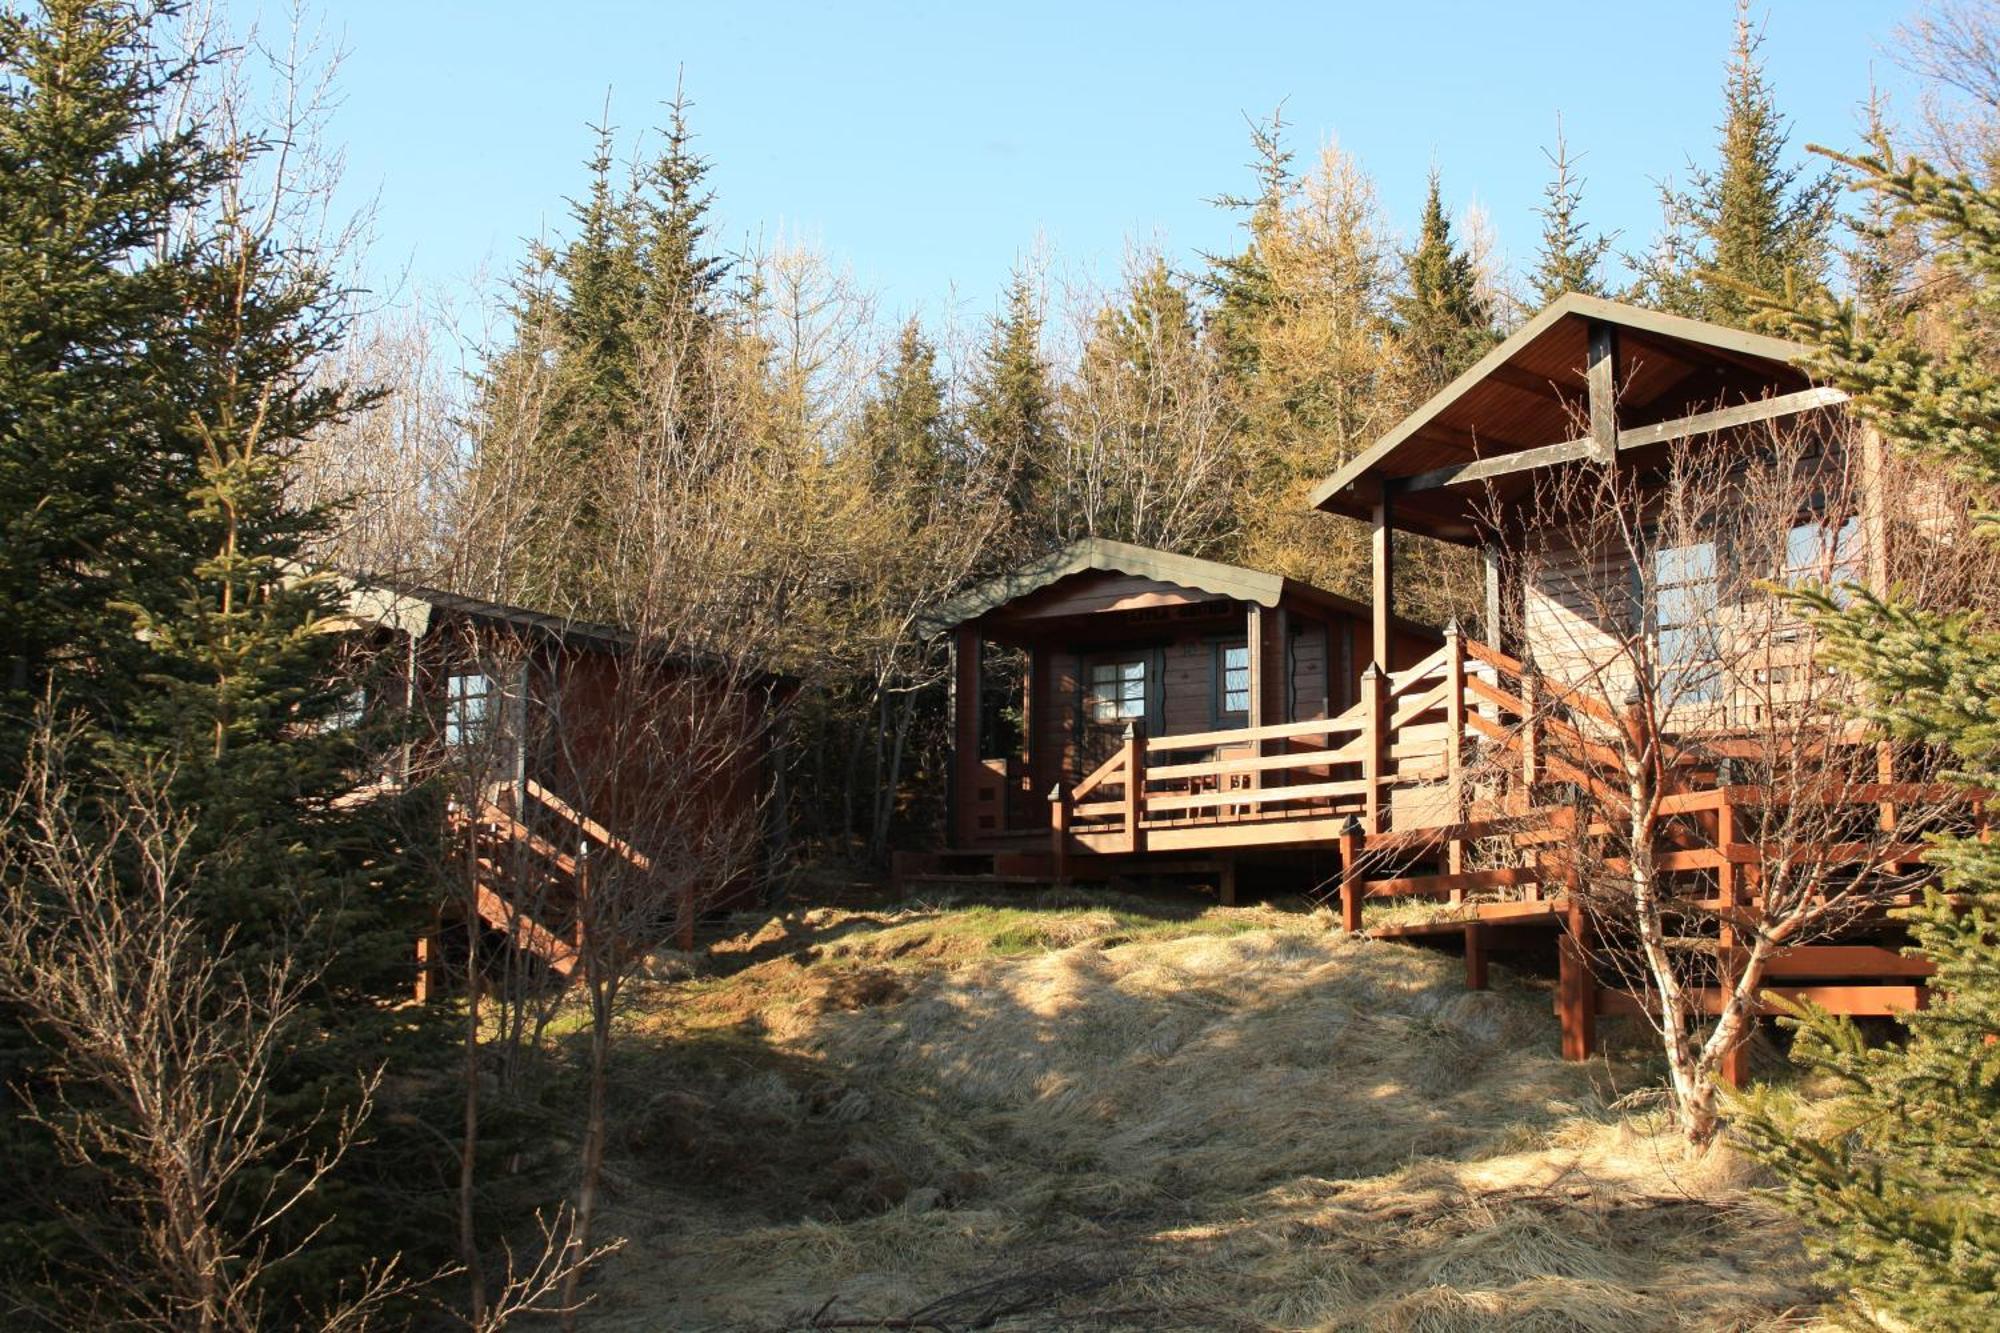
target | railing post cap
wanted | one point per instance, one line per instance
(1451, 629)
(1056, 792)
(1131, 730)
(1352, 828)
(1372, 669)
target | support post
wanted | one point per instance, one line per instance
(1059, 832)
(1352, 890)
(1383, 590)
(1576, 989)
(1036, 710)
(1225, 889)
(1475, 956)
(965, 733)
(1135, 786)
(1375, 750)
(1253, 640)
(1736, 1060)
(1531, 726)
(1454, 743)
(1603, 389)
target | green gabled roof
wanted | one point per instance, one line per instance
(1099, 555)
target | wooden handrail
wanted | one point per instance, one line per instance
(1102, 774)
(590, 828)
(1198, 740)
(1399, 681)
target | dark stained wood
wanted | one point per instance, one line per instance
(965, 730)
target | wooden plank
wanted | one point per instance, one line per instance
(1856, 1001)
(1493, 657)
(1470, 881)
(1401, 681)
(1200, 740)
(1352, 890)
(1255, 796)
(1847, 960)
(1501, 465)
(1744, 414)
(1495, 695)
(1254, 764)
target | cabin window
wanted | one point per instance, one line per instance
(1684, 622)
(1233, 679)
(467, 698)
(1820, 550)
(1118, 691)
(350, 712)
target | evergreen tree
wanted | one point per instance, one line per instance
(163, 387)
(1242, 286)
(1751, 223)
(1442, 324)
(1901, 1183)
(905, 430)
(1011, 416)
(90, 464)
(615, 342)
(1568, 258)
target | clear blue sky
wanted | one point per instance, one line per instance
(929, 145)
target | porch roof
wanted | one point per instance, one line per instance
(1100, 555)
(1527, 404)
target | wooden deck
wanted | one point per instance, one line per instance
(1456, 780)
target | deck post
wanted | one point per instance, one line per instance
(1225, 889)
(1603, 390)
(1531, 697)
(1256, 717)
(1454, 741)
(1351, 888)
(1736, 1060)
(1135, 786)
(1383, 589)
(1576, 988)
(1475, 956)
(965, 733)
(1059, 832)
(1035, 710)
(1375, 747)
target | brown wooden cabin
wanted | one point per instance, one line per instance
(1213, 676)
(559, 739)
(1587, 380)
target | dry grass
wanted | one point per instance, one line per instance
(1084, 1112)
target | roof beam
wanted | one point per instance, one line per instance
(1636, 437)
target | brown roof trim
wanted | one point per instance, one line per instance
(1675, 327)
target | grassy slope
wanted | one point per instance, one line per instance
(1092, 1113)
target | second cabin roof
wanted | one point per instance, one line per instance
(1102, 556)
(1531, 392)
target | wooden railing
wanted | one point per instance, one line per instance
(1397, 756)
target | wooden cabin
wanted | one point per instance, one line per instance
(1206, 675)
(1649, 399)
(567, 748)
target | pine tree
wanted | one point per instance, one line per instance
(1241, 286)
(1901, 1183)
(1752, 222)
(1011, 416)
(905, 430)
(1442, 324)
(1568, 258)
(615, 347)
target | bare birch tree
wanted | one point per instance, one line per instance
(1719, 803)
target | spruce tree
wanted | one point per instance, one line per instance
(905, 430)
(1568, 257)
(1900, 1181)
(1242, 286)
(168, 369)
(1442, 324)
(1752, 222)
(1011, 416)
(90, 464)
